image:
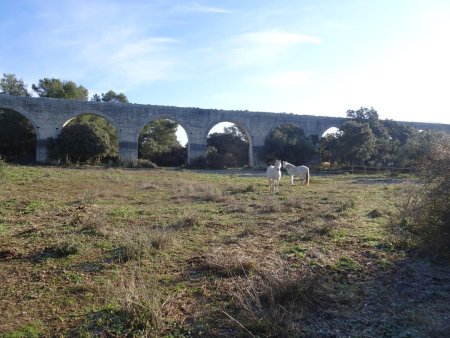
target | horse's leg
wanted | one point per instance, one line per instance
(292, 179)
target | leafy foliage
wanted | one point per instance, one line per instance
(358, 141)
(289, 143)
(79, 143)
(59, 89)
(227, 149)
(158, 143)
(366, 140)
(10, 85)
(110, 96)
(112, 147)
(426, 211)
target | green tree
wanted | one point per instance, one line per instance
(330, 148)
(366, 140)
(10, 85)
(231, 147)
(112, 147)
(79, 143)
(158, 143)
(288, 143)
(358, 143)
(56, 88)
(403, 142)
(110, 96)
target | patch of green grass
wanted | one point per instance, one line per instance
(346, 263)
(26, 331)
(34, 206)
(74, 277)
(296, 250)
(123, 212)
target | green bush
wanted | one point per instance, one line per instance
(425, 213)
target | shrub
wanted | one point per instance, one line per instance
(141, 163)
(425, 212)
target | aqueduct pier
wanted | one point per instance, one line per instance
(49, 116)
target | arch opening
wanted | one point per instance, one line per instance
(163, 142)
(87, 138)
(228, 146)
(330, 131)
(17, 137)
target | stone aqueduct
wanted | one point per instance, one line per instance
(48, 116)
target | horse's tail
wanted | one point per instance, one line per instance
(307, 177)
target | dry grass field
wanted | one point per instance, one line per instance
(169, 253)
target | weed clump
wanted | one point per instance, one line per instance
(142, 243)
(139, 303)
(225, 265)
(267, 299)
(188, 221)
(134, 309)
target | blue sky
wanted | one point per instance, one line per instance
(318, 57)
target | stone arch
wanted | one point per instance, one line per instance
(28, 147)
(77, 113)
(181, 124)
(25, 114)
(242, 126)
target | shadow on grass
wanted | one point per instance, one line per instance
(408, 299)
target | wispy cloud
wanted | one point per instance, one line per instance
(118, 50)
(196, 7)
(262, 48)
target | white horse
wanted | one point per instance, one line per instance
(301, 170)
(274, 175)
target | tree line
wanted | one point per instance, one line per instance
(365, 140)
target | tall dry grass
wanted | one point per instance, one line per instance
(139, 302)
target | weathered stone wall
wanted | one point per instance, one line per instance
(49, 116)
